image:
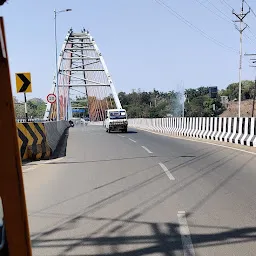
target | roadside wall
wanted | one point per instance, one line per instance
(229, 129)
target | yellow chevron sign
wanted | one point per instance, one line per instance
(23, 82)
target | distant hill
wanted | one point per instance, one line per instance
(232, 109)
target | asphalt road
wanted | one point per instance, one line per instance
(142, 194)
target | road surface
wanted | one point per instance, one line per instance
(142, 194)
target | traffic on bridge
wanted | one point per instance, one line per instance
(92, 170)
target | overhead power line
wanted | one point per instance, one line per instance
(180, 17)
(248, 28)
(223, 13)
(246, 36)
(250, 9)
(254, 14)
(227, 4)
(215, 13)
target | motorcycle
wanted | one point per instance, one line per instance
(71, 123)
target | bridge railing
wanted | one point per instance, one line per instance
(29, 120)
(228, 129)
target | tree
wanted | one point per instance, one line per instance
(36, 108)
(148, 104)
(232, 90)
(198, 103)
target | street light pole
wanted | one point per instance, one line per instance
(56, 61)
(241, 29)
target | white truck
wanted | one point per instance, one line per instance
(116, 120)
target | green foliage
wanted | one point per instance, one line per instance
(150, 104)
(232, 90)
(198, 103)
(155, 104)
(36, 108)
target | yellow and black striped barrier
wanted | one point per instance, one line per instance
(32, 141)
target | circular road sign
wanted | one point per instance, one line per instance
(51, 98)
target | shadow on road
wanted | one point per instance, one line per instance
(162, 238)
(119, 132)
(130, 131)
(114, 235)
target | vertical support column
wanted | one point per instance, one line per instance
(26, 109)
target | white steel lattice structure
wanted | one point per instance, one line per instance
(81, 64)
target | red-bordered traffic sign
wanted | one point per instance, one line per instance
(51, 98)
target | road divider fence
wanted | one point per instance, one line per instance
(228, 129)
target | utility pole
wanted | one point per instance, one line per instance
(241, 28)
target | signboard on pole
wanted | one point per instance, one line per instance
(23, 85)
(79, 110)
(23, 82)
(213, 92)
(51, 98)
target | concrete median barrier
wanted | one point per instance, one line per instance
(39, 140)
(54, 131)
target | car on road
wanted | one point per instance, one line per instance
(116, 120)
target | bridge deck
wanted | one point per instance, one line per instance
(121, 194)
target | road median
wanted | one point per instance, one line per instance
(38, 141)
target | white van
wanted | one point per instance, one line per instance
(116, 120)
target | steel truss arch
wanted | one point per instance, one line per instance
(81, 64)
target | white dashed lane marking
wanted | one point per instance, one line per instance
(150, 152)
(167, 172)
(188, 249)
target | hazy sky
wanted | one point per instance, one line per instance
(144, 45)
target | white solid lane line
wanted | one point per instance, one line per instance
(28, 169)
(167, 172)
(147, 149)
(188, 248)
(132, 140)
(44, 162)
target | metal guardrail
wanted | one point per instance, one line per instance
(30, 120)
